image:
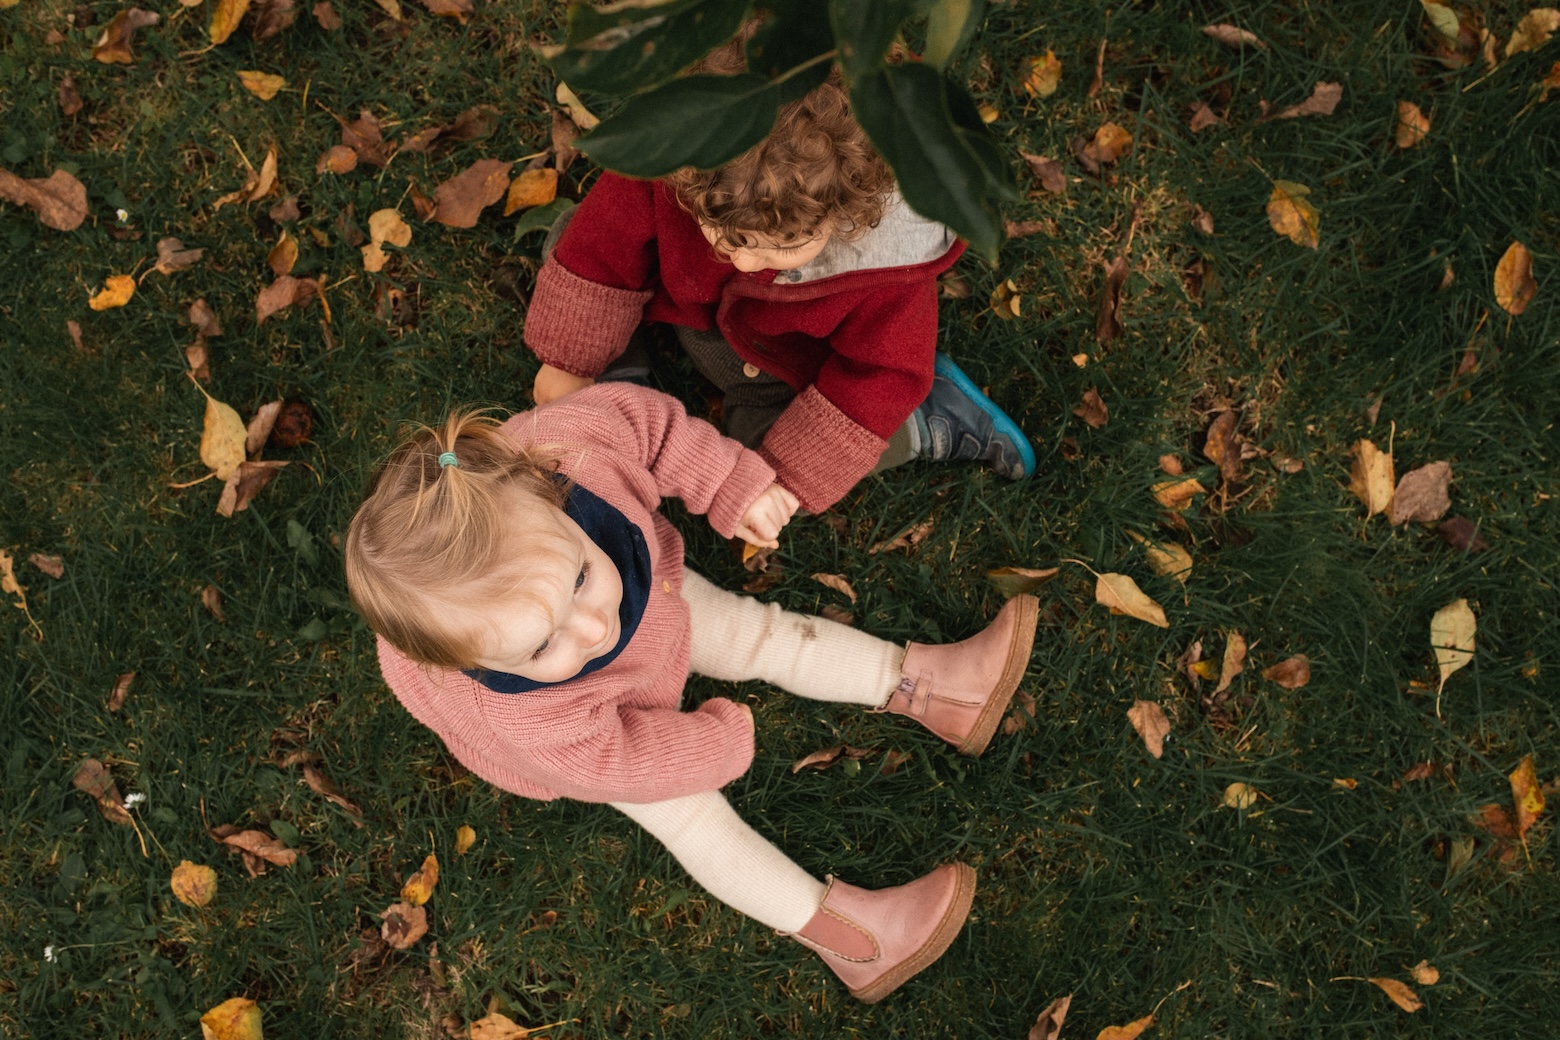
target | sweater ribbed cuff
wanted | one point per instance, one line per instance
(748, 479)
(818, 452)
(578, 325)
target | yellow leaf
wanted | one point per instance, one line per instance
(1206, 669)
(465, 837)
(1534, 30)
(391, 8)
(498, 1027)
(1425, 973)
(1514, 284)
(193, 885)
(1373, 479)
(419, 887)
(1291, 215)
(532, 188)
(1234, 660)
(1044, 75)
(1166, 558)
(1006, 301)
(988, 112)
(1149, 720)
(1403, 996)
(1240, 796)
(1443, 18)
(582, 116)
(1452, 635)
(1122, 595)
(1177, 493)
(235, 1019)
(283, 255)
(1528, 795)
(1130, 1031)
(263, 85)
(222, 439)
(225, 18)
(117, 290)
(1412, 125)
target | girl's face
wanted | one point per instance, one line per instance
(568, 616)
(769, 254)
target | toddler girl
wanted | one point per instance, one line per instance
(533, 610)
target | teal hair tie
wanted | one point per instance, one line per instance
(448, 459)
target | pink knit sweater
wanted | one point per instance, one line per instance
(617, 734)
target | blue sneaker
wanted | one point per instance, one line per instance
(957, 421)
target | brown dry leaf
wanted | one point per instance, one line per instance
(235, 1019)
(172, 256)
(1167, 559)
(1092, 410)
(1023, 710)
(1527, 794)
(93, 779)
(321, 784)
(1240, 796)
(113, 47)
(1107, 319)
(211, 599)
(1109, 144)
(258, 848)
(1202, 220)
(1534, 30)
(1421, 496)
(1400, 992)
(460, 10)
(1495, 821)
(1290, 673)
(1452, 634)
(836, 614)
(391, 8)
(1287, 464)
(337, 159)
(1202, 118)
(1425, 973)
(403, 925)
(193, 885)
(1178, 493)
(73, 327)
(1006, 301)
(1292, 215)
(473, 124)
(582, 116)
(1148, 718)
(1051, 174)
(465, 837)
(1419, 771)
(1130, 1031)
(263, 85)
(564, 133)
(287, 212)
(283, 255)
(1413, 126)
(1347, 783)
(951, 285)
(1324, 98)
(532, 188)
(60, 200)
(1122, 595)
(204, 318)
(829, 756)
(271, 18)
(494, 1026)
(419, 887)
(384, 226)
(459, 201)
(53, 566)
(1171, 464)
(247, 481)
(1461, 533)
(1234, 660)
(1551, 81)
(1223, 446)
(1044, 75)
(117, 290)
(285, 292)
(363, 136)
(1048, 1025)
(836, 582)
(326, 16)
(69, 98)
(1514, 284)
(1015, 581)
(10, 585)
(116, 698)
(225, 18)
(909, 539)
(195, 355)
(222, 438)
(1233, 36)
(1372, 477)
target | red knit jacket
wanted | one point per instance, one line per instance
(618, 734)
(857, 347)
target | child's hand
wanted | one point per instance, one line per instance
(553, 383)
(763, 520)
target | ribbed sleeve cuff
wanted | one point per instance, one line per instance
(818, 452)
(579, 325)
(741, 489)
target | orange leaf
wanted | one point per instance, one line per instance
(117, 290)
(1527, 794)
(465, 837)
(263, 85)
(1413, 126)
(419, 887)
(532, 188)
(1044, 75)
(193, 885)
(1130, 1031)
(1292, 216)
(1514, 284)
(1400, 992)
(235, 1019)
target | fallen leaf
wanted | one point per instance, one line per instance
(1413, 126)
(73, 327)
(1459, 853)
(117, 290)
(838, 615)
(1233, 36)
(1346, 783)
(68, 97)
(1323, 100)
(1452, 632)
(1443, 19)
(1148, 718)
(1495, 821)
(53, 566)
(1514, 284)
(564, 134)
(1081, 360)
(1403, 996)
(465, 837)
(247, 481)
(1109, 144)
(364, 137)
(1372, 477)
(222, 438)
(1107, 318)
(1051, 174)
(326, 16)
(1234, 660)
(911, 537)
(1240, 796)
(1534, 30)
(1048, 1025)
(1015, 581)
(257, 184)
(1425, 973)
(494, 1026)
(193, 885)
(172, 256)
(1130, 1031)
(532, 188)
(321, 784)
(581, 115)
(116, 698)
(1292, 215)
(1419, 771)
(1006, 301)
(204, 318)
(837, 583)
(1044, 75)
(263, 85)
(1122, 595)
(951, 285)
(1461, 533)
(459, 201)
(225, 18)
(1223, 446)
(391, 8)
(1202, 220)
(1527, 794)
(1177, 494)
(1287, 464)
(60, 200)
(893, 761)
(828, 757)
(1421, 496)
(211, 599)
(113, 47)
(459, 10)
(1290, 673)
(258, 848)
(338, 158)
(403, 924)
(93, 779)
(1171, 464)
(1167, 559)
(1551, 81)
(1202, 118)
(11, 586)
(285, 292)
(1022, 712)
(283, 255)
(271, 18)
(988, 112)
(235, 1019)
(1093, 410)
(419, 887)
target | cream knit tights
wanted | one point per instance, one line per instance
(737, 637)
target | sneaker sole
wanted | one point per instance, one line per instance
(949, 370)
(947, 930)
(1012, 674)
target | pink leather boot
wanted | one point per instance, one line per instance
(876, 940)
(960, 691)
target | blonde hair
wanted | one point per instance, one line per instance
(430, 537)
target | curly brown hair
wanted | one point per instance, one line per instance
(815, 170)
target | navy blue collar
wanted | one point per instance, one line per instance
(624, 544)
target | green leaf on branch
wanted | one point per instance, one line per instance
(632, 46)
(947, 166)
(793, 33)
(699, 121)
(949, 28)
(865, 29)
(541, 218)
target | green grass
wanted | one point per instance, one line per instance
(1103, 872)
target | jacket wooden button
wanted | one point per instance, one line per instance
(750, 370)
